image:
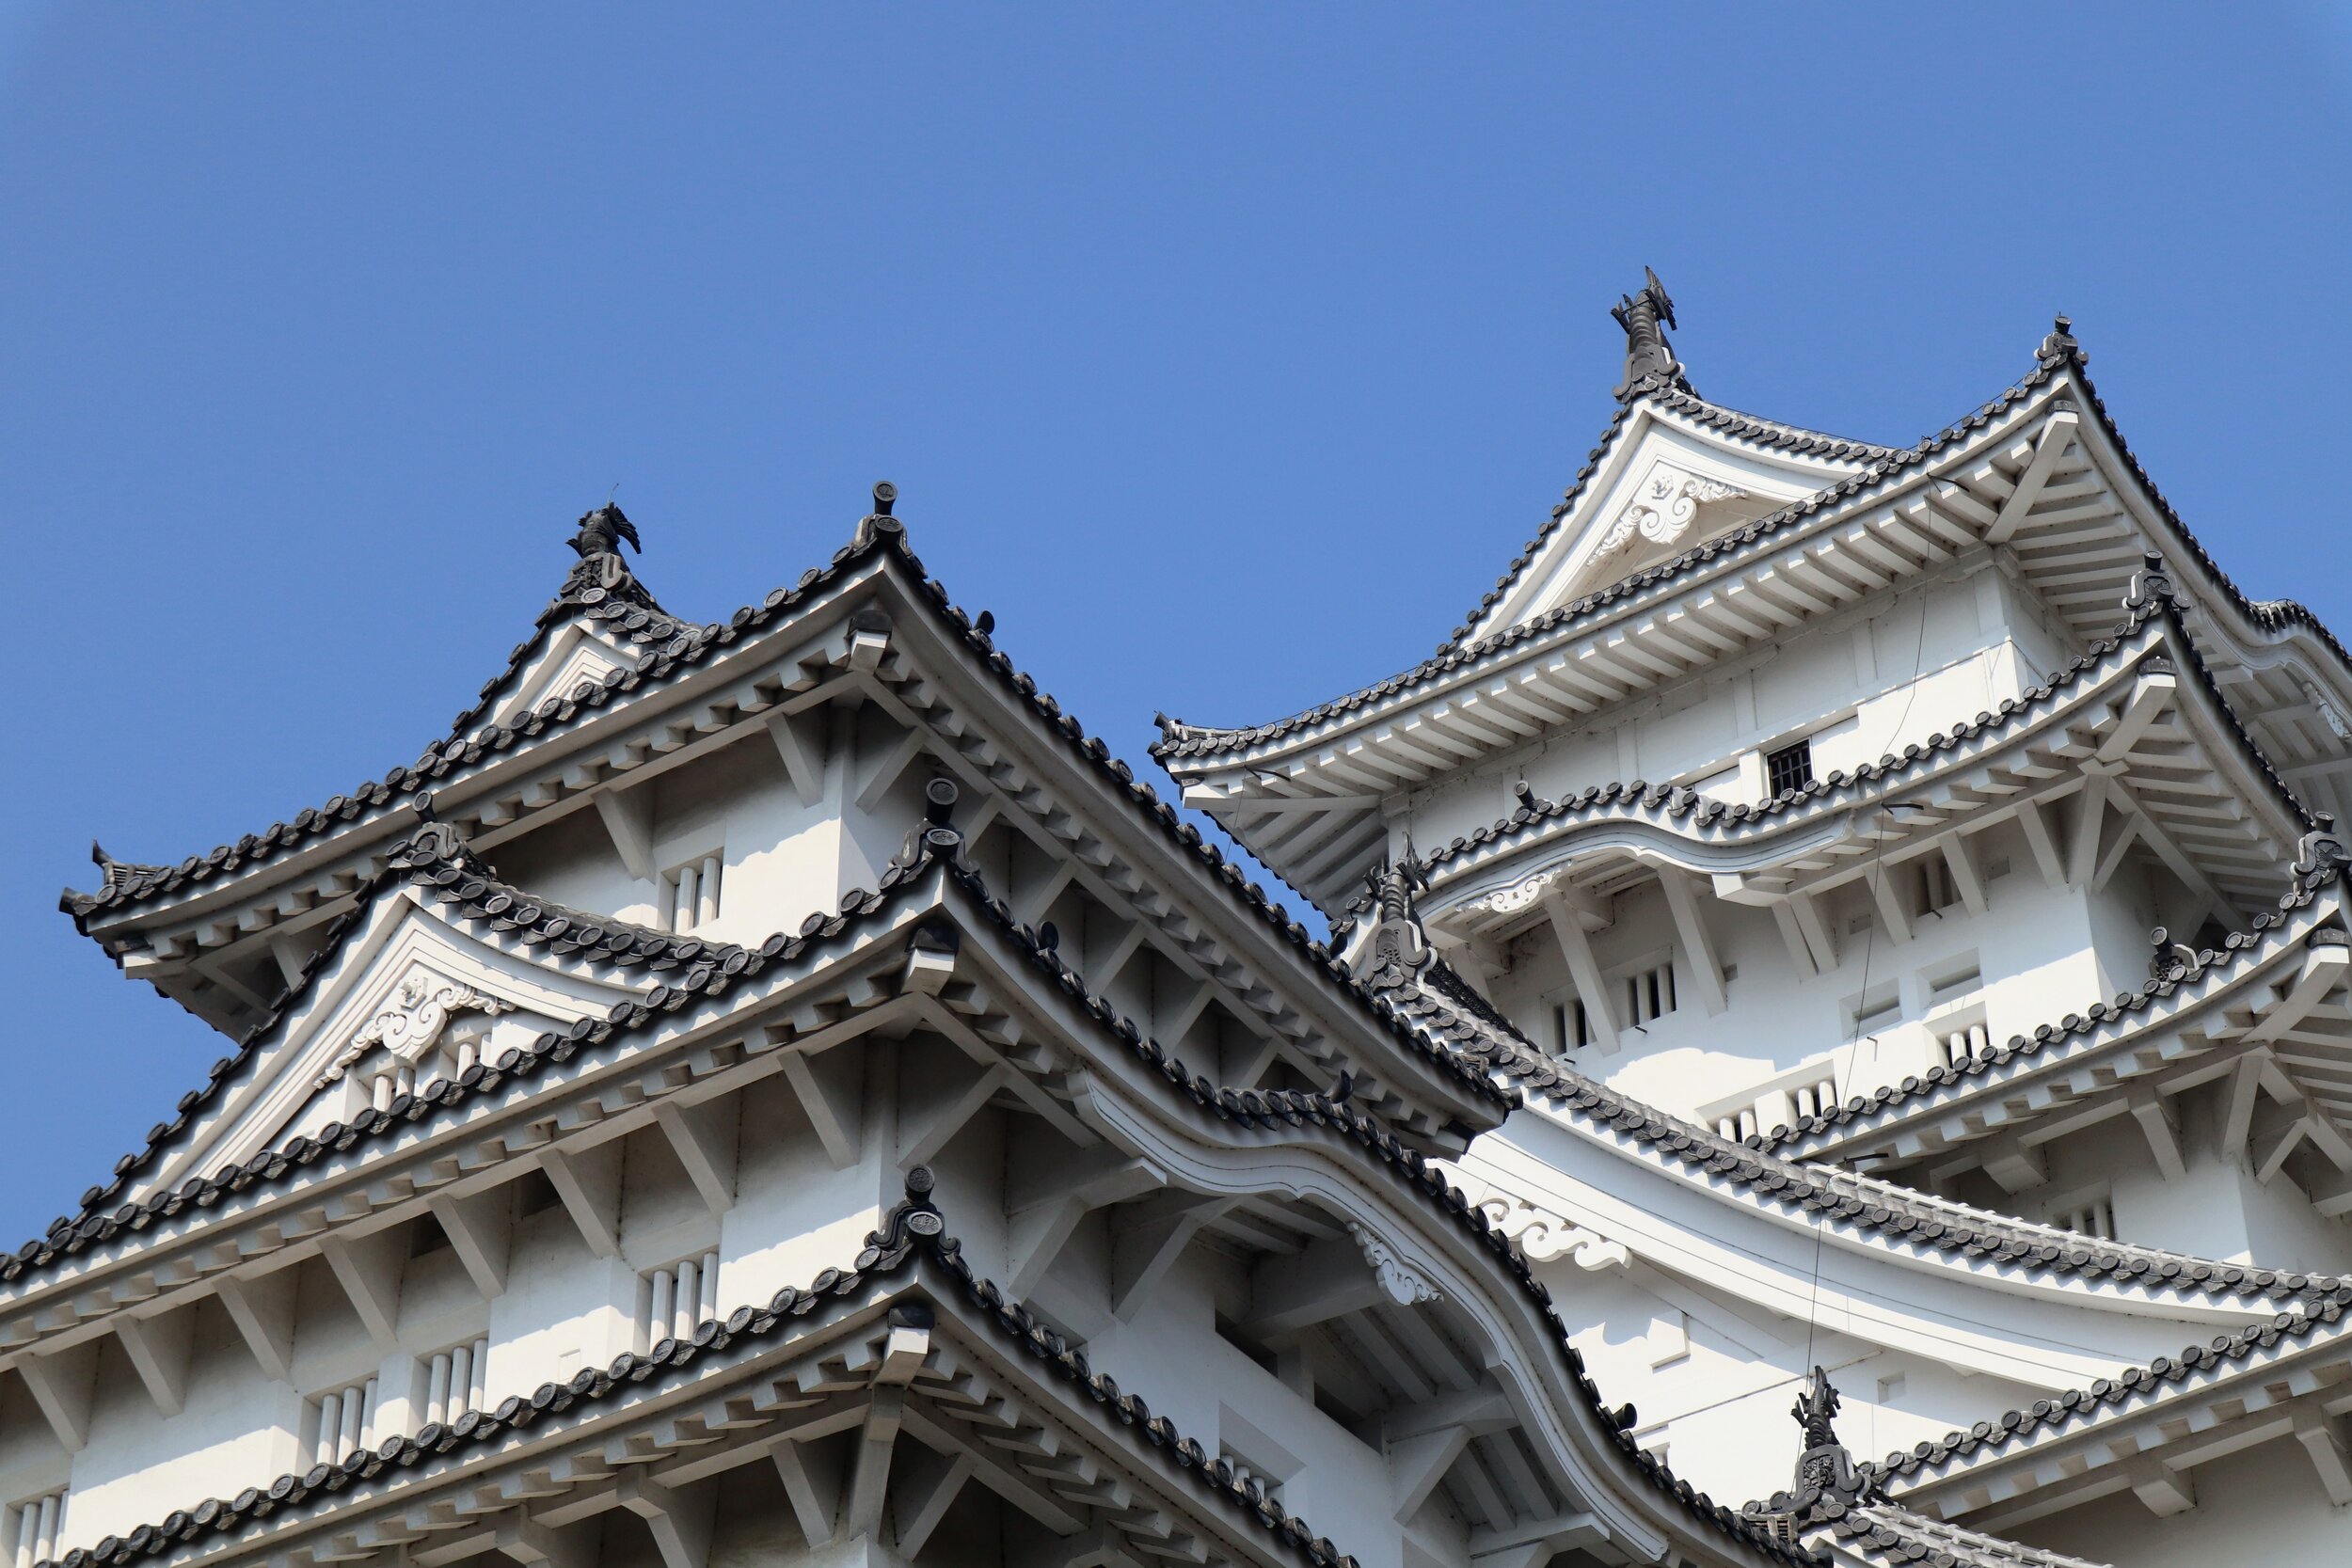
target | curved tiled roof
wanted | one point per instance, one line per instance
(1182, 740)
(626, 612)
(1899, 1214)
(2213, 967)
(1891, 1535)
(437, 861)
(912, 1231)
(2079, 1407)
(1726, 421)
(938, 849)
(876, 537)
(2154, 605)
(2060, 352)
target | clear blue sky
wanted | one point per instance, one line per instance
(1226, 352)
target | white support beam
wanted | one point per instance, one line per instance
(536, 1545)
(802, 762)
(2135, 828)
(1145, 1246)
(2155, 1121)
(811, 1474)
(2035, 825)
(1578, 950)
(481, 1230)
(1474, 1412)
(1417, 1465)
(2323, 1440)
(1964, 878)
(262, 1309)
(589, 1182)
(869, 1475)
(830, 1087)
(2082, 857)
(2241, 1094)
(2016, 1165)
(2323, 970)
(1698, 944)
(2055, 436)
(1887, 894)
(2165, 1490)
(1329, 1280)
(887, 770)
(289, 958)
(678, 1519)
(703, 1137)
(1818, 938)
(628, 816)
(2150, 696)
(1792, 936)
(1041, 1223)
(369, 1268)
(918, 1516)
(62, 1384)
(931, 1113)
(1099, 1547)
(158, 1348)
(2288, 1142)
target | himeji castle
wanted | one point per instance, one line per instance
(1833, 1047)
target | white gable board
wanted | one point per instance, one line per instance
(580, 651)
(407, 995)
(1662, 485)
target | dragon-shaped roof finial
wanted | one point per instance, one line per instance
(602, 531)
(1816, 1410)
(1649, 357)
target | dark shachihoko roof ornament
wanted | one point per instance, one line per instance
(599, 543)
(1824, 1468)
(1649, 359)
(601, 532)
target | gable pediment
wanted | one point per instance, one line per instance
(580, 652)
(1662, 487)
(407, 995)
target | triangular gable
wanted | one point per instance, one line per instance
(408, 995)
(1662, 483)
(577, 652)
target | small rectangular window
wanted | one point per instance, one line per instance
(671, 1301)
(1576, 1029)
(31, 1528)
(689, 894)
(1788, 769)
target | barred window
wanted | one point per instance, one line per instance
(1789, 768)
